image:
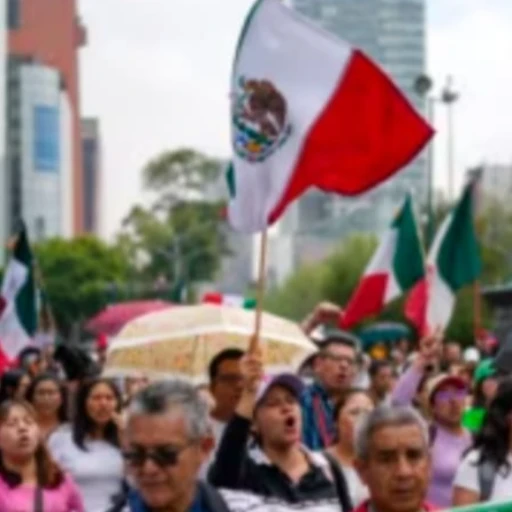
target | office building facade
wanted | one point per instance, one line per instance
(49, 33)
(39, 150)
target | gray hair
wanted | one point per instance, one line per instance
(387, 416)
(174, 396)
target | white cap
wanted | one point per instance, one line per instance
(471, 355)
(289, 381)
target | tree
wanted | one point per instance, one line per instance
(76, 277)
(181, 237)
(180, 174)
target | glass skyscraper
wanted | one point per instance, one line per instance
(392, 32)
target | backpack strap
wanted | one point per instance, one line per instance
(340, 482)
(486, 475)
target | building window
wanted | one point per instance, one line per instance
(46, 139)
(13, 14)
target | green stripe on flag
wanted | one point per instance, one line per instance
(459, 255)
(26, 299)
(408, 261)
(484, 507)
(230, 178)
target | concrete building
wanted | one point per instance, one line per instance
(39, 150)
(91, 153)
(49, 33)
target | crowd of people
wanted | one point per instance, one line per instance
(385, 435)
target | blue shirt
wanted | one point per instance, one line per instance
(318, 426)
(137, 505)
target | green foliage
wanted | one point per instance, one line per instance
(299, 295)
(462, 326)
(174, 173)
(333, 279)
(76, 276)
(345, 267)
(181, 237)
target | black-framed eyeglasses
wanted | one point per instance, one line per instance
(162, 456)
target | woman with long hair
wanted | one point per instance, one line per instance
(29, 479)
(14, 384)
(486, 471)
(350, 407)
(47, 395)
(90, 449)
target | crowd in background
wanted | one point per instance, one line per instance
(376, 435)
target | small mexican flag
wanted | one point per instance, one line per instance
(396, 266)
(309, 110)
(18, 302)
(453, 263)
(236, 301)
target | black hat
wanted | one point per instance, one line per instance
(76, 362)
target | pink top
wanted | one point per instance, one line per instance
(65, 498)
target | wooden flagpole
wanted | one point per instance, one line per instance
(262, 274)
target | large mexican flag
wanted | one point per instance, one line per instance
(453, 263)
(309, 110)
(18, 303)
(396, 266)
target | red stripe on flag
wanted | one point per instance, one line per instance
(367, 132)
(368, 300)
(213, 298)
(416, 306)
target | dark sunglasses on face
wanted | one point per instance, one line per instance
(162, 456)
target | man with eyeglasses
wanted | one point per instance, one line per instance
(167, 441)
(226, 386)
(334, 369)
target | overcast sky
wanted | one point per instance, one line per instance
(156, 73)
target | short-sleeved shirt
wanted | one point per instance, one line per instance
(467, 478)
(64, 498)
(97, 470)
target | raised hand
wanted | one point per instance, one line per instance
(325, 312)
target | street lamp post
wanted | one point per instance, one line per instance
(423, 87)
(449, 97)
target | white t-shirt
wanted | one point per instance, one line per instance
(98, 472)
(217, 429)
(357, 490)
(467, 478)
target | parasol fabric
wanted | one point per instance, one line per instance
(113, 318)
(182, 341)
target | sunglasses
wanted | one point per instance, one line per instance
(162, 456)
